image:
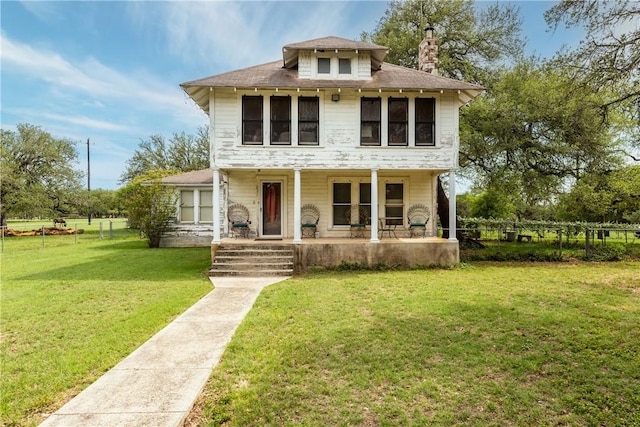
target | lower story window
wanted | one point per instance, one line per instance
(341, 202)
(186, 206)
(206, 206)
(343, 199)
(394, 203)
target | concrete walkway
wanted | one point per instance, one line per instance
(158, 383)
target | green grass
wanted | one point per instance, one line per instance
(484, 344)
(71, 311)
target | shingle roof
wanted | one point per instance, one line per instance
(290, 51)
(199, 177)
(273, 75)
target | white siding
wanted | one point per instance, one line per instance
(364, 65)
(317, 189)
(339, 136)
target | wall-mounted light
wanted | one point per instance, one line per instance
(335, 97)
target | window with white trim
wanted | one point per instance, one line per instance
(394, 203)
(252, 120)
(370, 121)
(324, 65)
(308, 120)
(398, 121)
(344, 66)
(186, 206)
(280, 120)
(206, 206)
(341, 202)
(425, 122)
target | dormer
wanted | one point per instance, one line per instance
(334, 58)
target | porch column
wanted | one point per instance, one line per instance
(216, 207)
(374, 206)
(452, 205)
(196, 206)
(297, 194)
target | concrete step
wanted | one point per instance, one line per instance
(252, 266)
(251, 273)
(252, 253)
(264, 259)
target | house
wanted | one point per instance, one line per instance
(334, 126)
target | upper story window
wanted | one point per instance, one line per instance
(370, 121)
(398, 121)
(324, 65)
(425, 122)
(280, 120)
(308, 120)
(252, 120)
(344, 66)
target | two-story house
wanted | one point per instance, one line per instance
(334, 126)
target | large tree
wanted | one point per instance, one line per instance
(471, 42)
(613, 196)
(533, 134)
(181, 152)
(608, 58)
(37, 175)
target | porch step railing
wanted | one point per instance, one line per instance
(253, 260)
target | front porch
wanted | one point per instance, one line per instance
(331, 252)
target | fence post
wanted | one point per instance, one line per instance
(100, 230)
(110, 229)
(587, 247)
(559, 231)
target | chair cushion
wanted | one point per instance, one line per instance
(358, 225)
(309, 225)
(418, 224)
(240, 224)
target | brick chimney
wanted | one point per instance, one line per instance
(428, 52)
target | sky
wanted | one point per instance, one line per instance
(109, 71)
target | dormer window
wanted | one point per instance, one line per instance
(324, 65)
(328, 65)
(344, 66)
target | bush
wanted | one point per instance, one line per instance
(610, 252)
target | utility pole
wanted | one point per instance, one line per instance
(88, 184)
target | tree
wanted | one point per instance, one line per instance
(37, 177)
(471, 42)
(181, 153)
(532, 133)
(609, 197)
(151, 206)
(608, 59)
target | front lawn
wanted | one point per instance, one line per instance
(72, 311)
(483, 344)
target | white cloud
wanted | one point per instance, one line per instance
(96, 82)
(85, 122)
(239, 34)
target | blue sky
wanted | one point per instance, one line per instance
(110, 71)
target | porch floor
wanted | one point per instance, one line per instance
(331, 252)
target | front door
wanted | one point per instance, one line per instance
(272, 209)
